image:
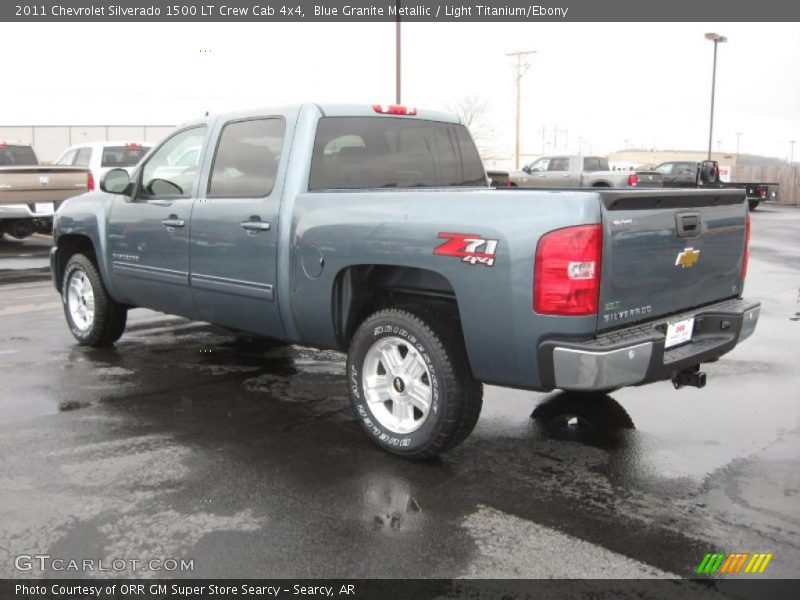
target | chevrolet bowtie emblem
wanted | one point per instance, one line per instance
(687, 258)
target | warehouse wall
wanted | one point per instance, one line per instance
(49, 141)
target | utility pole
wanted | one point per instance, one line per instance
(520, 68)
(794, 173)
(397, 62)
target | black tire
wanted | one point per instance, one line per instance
(456, 398)
(108, 323)
(753, 204)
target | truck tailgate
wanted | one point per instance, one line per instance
(668, 251)
(20, 185)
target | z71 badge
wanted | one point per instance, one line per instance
(470, 248)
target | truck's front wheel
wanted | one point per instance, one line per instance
(94, 318)
(410, 383)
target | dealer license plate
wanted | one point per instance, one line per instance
(44, 207)
(679, 332)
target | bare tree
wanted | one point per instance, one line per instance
(474, 113)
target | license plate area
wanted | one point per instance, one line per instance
(679, 332)
(43, 207)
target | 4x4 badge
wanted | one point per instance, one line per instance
(687, 258)
(470, 248)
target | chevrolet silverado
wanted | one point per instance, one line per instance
(372, 230)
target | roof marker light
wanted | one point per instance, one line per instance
(394, 109)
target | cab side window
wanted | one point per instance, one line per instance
(247, 157)
(173, 169)
(560, 163)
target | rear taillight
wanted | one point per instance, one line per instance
(394, 109)
(566, 276)
(746, 257)
(89, 181)
(633, 180)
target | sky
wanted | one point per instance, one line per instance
(603, 86)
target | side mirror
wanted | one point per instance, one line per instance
(527, 169)
(116, 181)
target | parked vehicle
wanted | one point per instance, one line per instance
(498, 178)
(30, 192)
(579, 172)
(705, 174)
(372, 230)
(100, 157)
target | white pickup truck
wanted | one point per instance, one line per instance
(579, 172)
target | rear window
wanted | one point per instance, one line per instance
(17, 155)
(128, 155)
(388, 152)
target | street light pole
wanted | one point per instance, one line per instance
(717, 39)
(521, 68)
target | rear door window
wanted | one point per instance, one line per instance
(595, 163)
(559, 163)
(389, 152)
(247, 157)
(664, 169)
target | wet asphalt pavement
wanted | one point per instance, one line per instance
(182, 443)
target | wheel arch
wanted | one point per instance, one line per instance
(69, 245)
(359, 290)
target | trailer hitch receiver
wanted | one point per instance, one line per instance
(692, 376)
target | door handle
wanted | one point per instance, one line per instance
(541, 175)
(255, 226)
(565, 175)
(173, 221)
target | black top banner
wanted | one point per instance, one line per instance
(408, 10)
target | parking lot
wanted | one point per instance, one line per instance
(182, 443)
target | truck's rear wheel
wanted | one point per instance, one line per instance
(410, 383)
(93, 317)
(753, 204)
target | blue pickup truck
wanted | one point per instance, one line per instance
(372, 230)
